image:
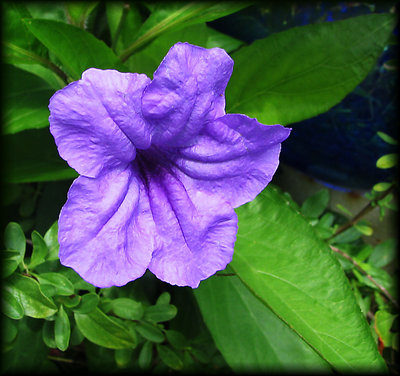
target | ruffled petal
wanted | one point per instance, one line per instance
(197, 232)
(235, 158)
(97, 121)
(106, 230)
(186, 92)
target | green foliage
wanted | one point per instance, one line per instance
(312, 68)
(300, 293)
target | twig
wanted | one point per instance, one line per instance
(360, 269)
(369, 207)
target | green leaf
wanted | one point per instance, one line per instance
(14, 239)
(62, 285)
(28, 353)
(387, 161)
(124, 20)
(77, 49)
(306, 69)
(280, 259)
(78, 12)
(150, 332)
(29, 295)
(48, 334)
(51, 240)
(145, 355)
(62, 329)
(39, 251)
(176, 339)
(123, 357)
(315, 205)
(9, 330)
(32, 156)
(11, 307)
(127, 308)
(164, 298)
(170, 357)
(160, 312)
(172, 16)
(388, 139)
(11, 260)
(364, 229)
(25, 100)
(383, 324)
(257, 342)
(383, 253)
(88, 303)
(382, 186)
(103, 331)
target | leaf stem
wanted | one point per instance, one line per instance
(361, 270)
(363, 212)
(125, 11)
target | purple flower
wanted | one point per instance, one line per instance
(161, 166)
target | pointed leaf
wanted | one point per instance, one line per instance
(301, 72)
(62, 329)
(257, 342)
(279, 257)
(39, 251)
(103, 331)
(77, 49)
(29, 295)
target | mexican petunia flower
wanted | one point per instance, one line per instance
(161, 166)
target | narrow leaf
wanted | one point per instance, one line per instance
(62, 329)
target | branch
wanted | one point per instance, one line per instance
(361, 270)
(364, 211)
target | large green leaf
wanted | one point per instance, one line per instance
(28, 293)
(281, 260)
(175, 15)
(251, 337)
(31, 156)
(299, 73)
(149, 58)
(103, 331)
(76, 49)
(26, 98)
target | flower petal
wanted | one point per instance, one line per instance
(235, 158)
(106, 231)
(186, 92)
(97, 122)
(197, 232)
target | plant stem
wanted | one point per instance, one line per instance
(364, 211)
(125, 11)
(361, 270)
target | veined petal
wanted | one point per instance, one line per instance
(235, 157)
(97, 121)
(186, 92)
(197, 232)
(106, 230)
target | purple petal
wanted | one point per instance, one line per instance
(197, 232)
(235, 158)
(106, 230)
(97, 122)
(186, 92)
